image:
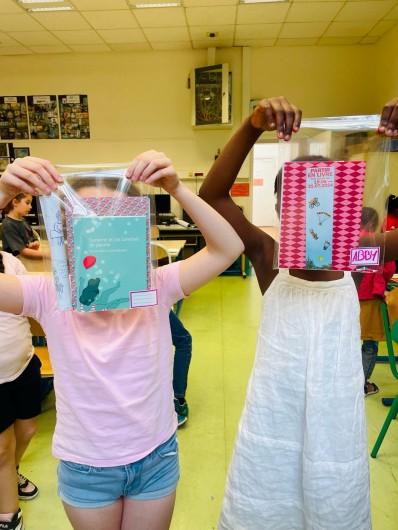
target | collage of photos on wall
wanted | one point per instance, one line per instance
(44, 117)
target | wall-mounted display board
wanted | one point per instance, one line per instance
(13, 118)
(73, 112)
(43, 117)
(211, 95)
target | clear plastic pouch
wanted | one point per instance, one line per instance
(98, 228)
(332, 192)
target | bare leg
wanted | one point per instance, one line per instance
(108, 517)
(24, 431)
(148, 515)
(125, 514)
(8, 477)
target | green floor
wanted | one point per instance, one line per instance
(223, 319)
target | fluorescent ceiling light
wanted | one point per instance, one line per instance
(40, 1)
(42, 9)
(168, 4)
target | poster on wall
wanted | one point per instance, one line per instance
(13, 118)
(73, 112)
(43, 117)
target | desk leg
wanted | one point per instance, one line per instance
(243, 266)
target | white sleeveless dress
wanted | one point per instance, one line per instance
(300, 460)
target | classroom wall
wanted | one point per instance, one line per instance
(140, 101)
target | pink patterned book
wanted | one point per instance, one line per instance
(320, 214)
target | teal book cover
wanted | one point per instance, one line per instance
(109, 256)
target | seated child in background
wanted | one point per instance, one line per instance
(19, 405)
(371, 294)
(17, 234)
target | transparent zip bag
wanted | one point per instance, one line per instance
(98, 228)
(331, 193)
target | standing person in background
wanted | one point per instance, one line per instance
(182, 342)
(371, 294)
(17, 234)
(300, 458)
(19, 405)
(391, 221)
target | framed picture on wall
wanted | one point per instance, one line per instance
(4, 161)
(21, 152)
(3, 149)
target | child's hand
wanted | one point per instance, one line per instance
(277, 114)
(34, 244)
(28, 175)
(154, 168)
(389, 118)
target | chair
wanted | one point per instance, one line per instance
(159, 252)
(391, 332)
(161, 255)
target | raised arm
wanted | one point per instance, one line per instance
(223, 245)
(28, 175)
(274, 114)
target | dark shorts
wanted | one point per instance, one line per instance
(20, 399)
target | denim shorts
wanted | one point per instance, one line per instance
(152, 477)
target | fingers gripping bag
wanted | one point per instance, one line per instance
(332, 192)
(98, 227)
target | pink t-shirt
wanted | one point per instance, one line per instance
(112, 373)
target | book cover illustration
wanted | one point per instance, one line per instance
(109, 255)
(320, 214)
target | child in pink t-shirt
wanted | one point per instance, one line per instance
(115, 433)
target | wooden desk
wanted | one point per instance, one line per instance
(174, 246)
(192, 235)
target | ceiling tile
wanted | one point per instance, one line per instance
(262, 13)
(296, 42)
(40, 38)
(89, 48)
(50, 49)
(7, 40)
(222, 32)
(19, 22)
(84, 36)
(314, 12)
(204, 44)
(122, 36)
(349, 29)
(130, 47)
(99, 5)
(172, 45)
(302, 30)
(15, 50)
(61, 20)
(255, 42)
(9, 6)
(209, 3)
(381, 28)
(368, 40)
(257, 31)
(111, 19)
(338, 41)
(369, 10)
(393, 14)
(161, 17)
(166, 34)
(200, 16)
